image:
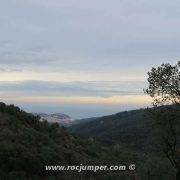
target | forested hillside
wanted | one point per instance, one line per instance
(132, 129)
(129, 128)
(27, 145)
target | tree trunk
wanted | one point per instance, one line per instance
(178, 174)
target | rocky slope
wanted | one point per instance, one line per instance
(62, 119)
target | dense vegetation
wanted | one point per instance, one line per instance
(133, 131)
(123, 127)
(27, 145)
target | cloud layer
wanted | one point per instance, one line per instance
(88, 36)
(49, 88)
(94, 51)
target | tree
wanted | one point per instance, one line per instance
(164, 88)
(164, 84)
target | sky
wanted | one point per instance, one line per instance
(84, 58)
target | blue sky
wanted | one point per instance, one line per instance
(84, 58)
